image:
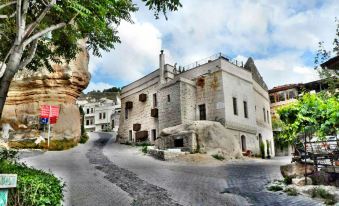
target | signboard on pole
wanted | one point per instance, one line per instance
(49, 114)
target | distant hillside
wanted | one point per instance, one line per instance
(111, 93)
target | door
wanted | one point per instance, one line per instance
(202, 112)
(243, 143)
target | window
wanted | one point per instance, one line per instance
(154, 134)
(100, 116)
(202, 112)
(245, 110)
(91, 121)
(264, 114)
(92, 110)
(87, 122)
(235, 106)
(281, 96)
(155, 102)
(126, 113)
(268, 118)
(87, 111)
(168, 98)
(272, 99)
(104, 115)
(291, 95)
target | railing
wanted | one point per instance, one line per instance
(212, 58)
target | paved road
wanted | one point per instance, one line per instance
(102, 172)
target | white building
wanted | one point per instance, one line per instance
(215, 89)
(100, 115)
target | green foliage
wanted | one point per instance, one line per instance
(291, 191)
(312, 113)
(218, 157)
(142, 144)
(82, 114)
(84, 138)
(262, 149)
(34, 187)
(318, 192)
(144, 149)
(275, 188)
(56, 145)
(95, 21)
(113, 89)
(288, 180)
(10, 155)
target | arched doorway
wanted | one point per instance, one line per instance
(243, 143)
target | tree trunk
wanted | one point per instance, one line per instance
(5, 81)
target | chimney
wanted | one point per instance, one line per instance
(162, 67)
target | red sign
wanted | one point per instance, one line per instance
(51, 112)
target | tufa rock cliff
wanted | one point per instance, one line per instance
(31, 89)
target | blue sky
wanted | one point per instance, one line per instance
(281, 36)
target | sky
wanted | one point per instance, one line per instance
(281, 36)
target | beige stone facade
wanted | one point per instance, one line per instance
(215, 90)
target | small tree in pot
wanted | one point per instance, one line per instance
(262, 150)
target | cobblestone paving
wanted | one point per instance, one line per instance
(102, 173)
(142, 192)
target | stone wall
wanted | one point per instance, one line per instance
(31, 89)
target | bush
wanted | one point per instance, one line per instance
(34, 187)
(142, 144)
(144, 149)
(275, 188)
(322, 193)
(84, 138)
(6, 154)
(262, 150)
(288, 180)
(54, 145)
(218, 157)
(291, 191)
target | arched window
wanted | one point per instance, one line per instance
(243, 142)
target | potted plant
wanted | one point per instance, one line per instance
(262, 150)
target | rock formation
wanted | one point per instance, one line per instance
(207, 136)
(31, 89)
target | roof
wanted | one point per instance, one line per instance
(332, 63)
(284, 87)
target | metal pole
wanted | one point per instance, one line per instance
(49, 125)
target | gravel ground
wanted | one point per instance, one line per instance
(102, 172)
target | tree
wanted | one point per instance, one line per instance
(37, 33)
(330, 76)
(312, 114)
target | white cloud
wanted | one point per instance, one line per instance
(136, 55)
(97, 86)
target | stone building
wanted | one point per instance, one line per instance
(214, 89)
(101, 115)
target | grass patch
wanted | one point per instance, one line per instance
(84, 138)
(34, 187)
(144, 149)
(218, 157)
(56, 145)
(291, 191)
(275, 188)
(142, 144)
(318, 192)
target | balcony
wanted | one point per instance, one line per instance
(154, 112)
(136, 127)
(142, 97)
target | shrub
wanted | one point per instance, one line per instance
(142, 144)
(84, 138)
(322, 193)
(291, 191)
(218, 157)
(288, 180)
(34, 187)
(144, 149)
(275, 188)
(262, 150)
(6, 154)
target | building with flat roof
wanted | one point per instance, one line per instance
(215, 89)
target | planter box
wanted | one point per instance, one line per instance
(129, 105)
(142, 97)
(154, 112)
(136, 127)
(141, 136)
